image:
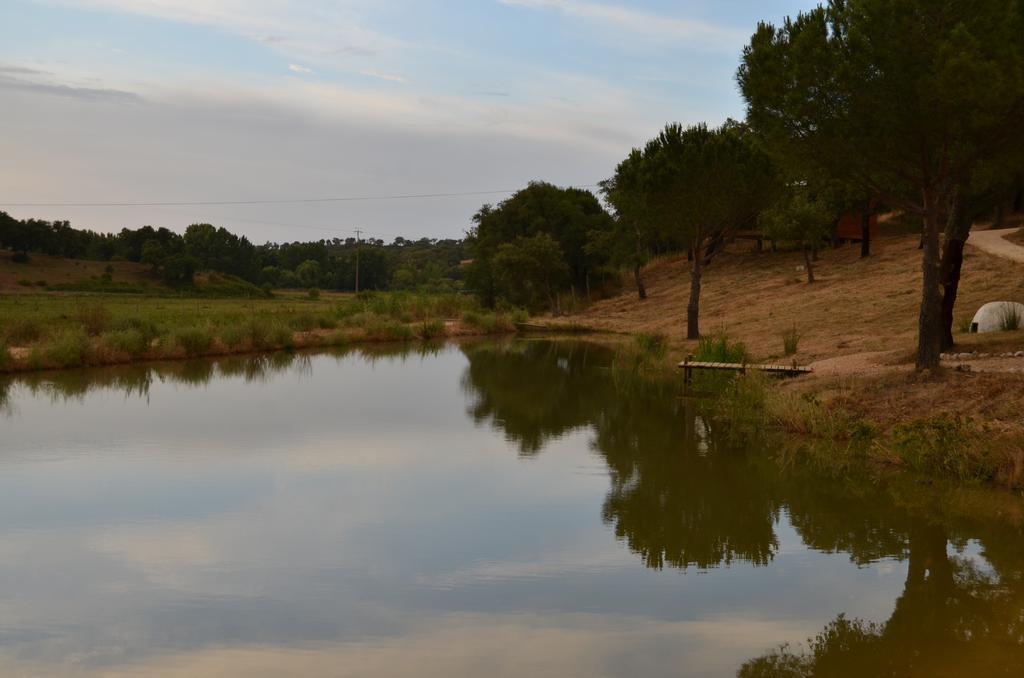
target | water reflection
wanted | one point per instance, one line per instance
(683, 494)
(434, 510)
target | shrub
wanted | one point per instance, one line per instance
(146, 328)
(326, 322)
(41, 283)
(69, 347)
(716, 348)
(382, 329)
(1009, 318)
(94, 319)
(134, 342)
(304, 322)
(431, 329)
(25, 283)
(790, 341)
(5, 353)
(233, 335)
(193, 340)
(313, 293)
(654, 345)
(22, 332)
(942, 446)
(20, 257)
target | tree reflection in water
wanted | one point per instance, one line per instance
(685, 493)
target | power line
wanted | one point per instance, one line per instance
(287, 201)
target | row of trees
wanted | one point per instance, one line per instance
(917, 103)
(175, 258)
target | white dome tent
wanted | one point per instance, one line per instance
(996, 316)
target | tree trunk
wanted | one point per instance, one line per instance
(952, 262)
(638, 276)
(958, 229)
(807, 263)
(693, 308)
(929, 338)
(865, 233)
(641, 289)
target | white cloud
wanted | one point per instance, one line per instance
(627, 19)
(295, 68)
(383, 76)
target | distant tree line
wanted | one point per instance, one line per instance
(425, 264)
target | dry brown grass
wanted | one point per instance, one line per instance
(855, 306)
(59, 271)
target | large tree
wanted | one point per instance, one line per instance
(568, 215)
(630, 241)
(907, 98)
(700, 186)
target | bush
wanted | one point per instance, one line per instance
(233, 336)
(942, 446)
(69, 348)
(652, 344)
(381, 329)
(790, 341)
(193, 340)
(94, 319)
(23, 332)
(305, 322)
(313, 293)
(431, 329)
(25, 283)
(716, 348)
(146, 328)
(134, 342)
(5, 353)
(20, 257)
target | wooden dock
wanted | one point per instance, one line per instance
(688, 366)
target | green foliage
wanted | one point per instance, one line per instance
(313, 293)
(798, 218)
(653, 344)
(5, 353)
(69, 347)
(791, 341)
(132, 341)
(568, 216)
(23, 331)
(530, 271)
(193, 340)
(717, 348)
(94, 318)
(431, 329)
(942, 446)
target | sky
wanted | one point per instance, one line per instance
(171, 101)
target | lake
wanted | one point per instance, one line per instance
(513, 508)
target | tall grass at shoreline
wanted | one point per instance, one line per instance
(48, 331)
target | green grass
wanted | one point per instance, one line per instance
(128, 325)
(790, 341)
(717, 348)
(69, 347)
(194, 341)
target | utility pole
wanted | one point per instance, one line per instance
(358, 233)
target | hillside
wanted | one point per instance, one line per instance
(855, 306)
(42, 270)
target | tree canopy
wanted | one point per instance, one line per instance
(907, 99)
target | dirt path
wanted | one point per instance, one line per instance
(995, 242)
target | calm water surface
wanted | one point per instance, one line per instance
(513, 509)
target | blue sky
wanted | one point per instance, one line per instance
(191, 100)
